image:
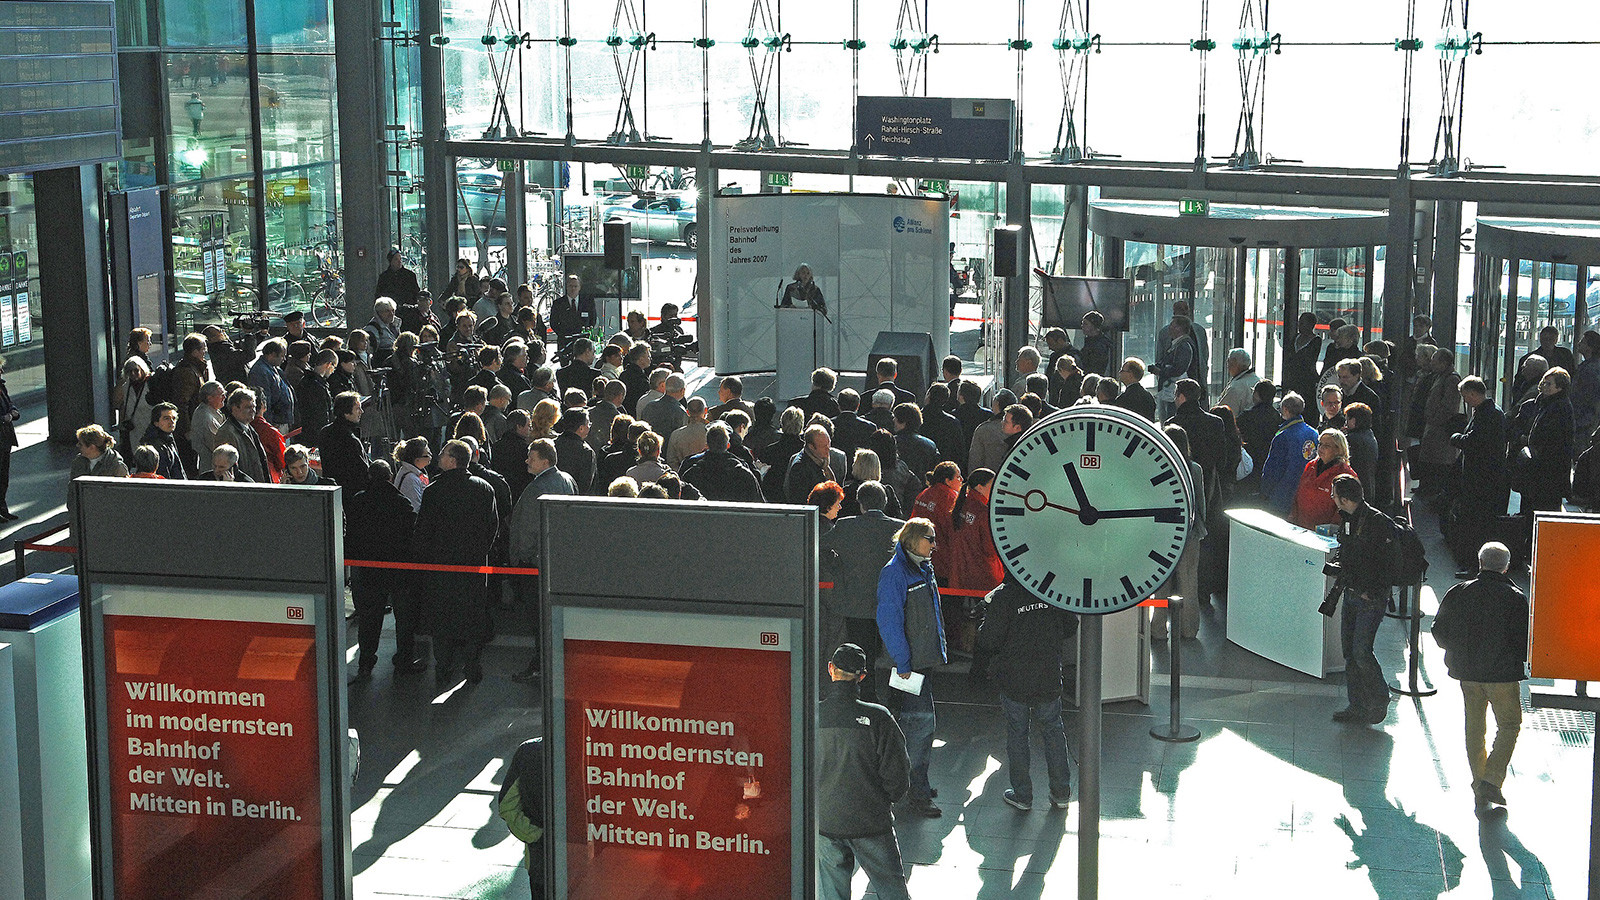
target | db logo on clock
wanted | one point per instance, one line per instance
(769, 639)
(296, 612)
(1089, 461)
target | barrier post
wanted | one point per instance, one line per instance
(1412, 595)
(1175, 732)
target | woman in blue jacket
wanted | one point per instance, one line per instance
(913, 636)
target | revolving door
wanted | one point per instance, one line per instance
(1246, 272)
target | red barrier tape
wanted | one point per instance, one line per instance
(505, 570)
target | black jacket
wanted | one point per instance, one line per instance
(314, 403)
(1026, 637)
(803, 474)
(344, 457)
(719, 475)
(457, 525)
(377, 525)
(1483, 627)
(637, 381)
(577, 374)
(575, 457)
(852, 556)
(862, 768)
(1208, 437)
(1483, 452)
(850, 433)
(615, 464)
(1300, 367)
(818, 401)
(945, 432)
(1258, 425)
(1550, 440)
(919, 453)
(166, 445)
(1363, 551)
(400, 285)
(1134, 397)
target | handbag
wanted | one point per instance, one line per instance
(1245, 467)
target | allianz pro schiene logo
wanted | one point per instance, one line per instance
(903, 225)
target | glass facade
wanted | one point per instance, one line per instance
(21, 327)
(239, 128)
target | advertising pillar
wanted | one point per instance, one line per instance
(217, 724)
(678, 705)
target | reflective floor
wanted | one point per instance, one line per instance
(1274, 797)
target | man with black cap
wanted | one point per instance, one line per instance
(1025, 638)
(398, 282)
(862, 771)
(294, 324)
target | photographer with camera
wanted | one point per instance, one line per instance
(1362, 583)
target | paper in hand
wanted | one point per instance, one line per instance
(911, 684)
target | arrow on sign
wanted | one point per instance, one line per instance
(868, 139)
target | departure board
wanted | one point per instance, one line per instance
(58, 84)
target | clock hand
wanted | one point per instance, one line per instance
(1077, 486)
(1029, 499)
(1169, 514)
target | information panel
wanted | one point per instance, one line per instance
(58, 84)
(8, 299)
(24, 312)
(677, 747)
(198, 742)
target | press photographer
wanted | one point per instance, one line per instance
(1363, 581)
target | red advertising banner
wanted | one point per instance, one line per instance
(214, 745)
(678, 760)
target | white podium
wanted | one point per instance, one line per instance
(802, 339)
(1124, 657)
(10, 789)
(1275, 584)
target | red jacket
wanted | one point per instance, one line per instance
(935, 504)
(1313, 502)
(975, 563)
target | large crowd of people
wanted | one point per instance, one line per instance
(495, 410)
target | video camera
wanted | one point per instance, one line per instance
(1330, 603)
(251, 322)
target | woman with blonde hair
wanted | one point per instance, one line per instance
(96, 456)
(544, 416)
(1313, 501)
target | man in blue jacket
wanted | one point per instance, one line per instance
(1294, 445)
(913, 636)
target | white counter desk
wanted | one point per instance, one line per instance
(1275, 584)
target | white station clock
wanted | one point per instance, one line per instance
(1091, 509)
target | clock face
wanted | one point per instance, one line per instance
(1090, 510)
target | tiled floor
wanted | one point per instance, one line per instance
(1274, 800)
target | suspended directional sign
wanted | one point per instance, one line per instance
(1190, 206)
(938, 127)
(638, 171)
(779, 179)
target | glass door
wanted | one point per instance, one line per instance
(1263, 319)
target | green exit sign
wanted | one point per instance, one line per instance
(1189, 206)
(936, 185)
(508, 165)
(638, 172)
(780, 179)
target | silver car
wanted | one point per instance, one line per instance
(660, 219)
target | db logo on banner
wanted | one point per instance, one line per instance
(297, 612)
(1089, 461)
(769, 639)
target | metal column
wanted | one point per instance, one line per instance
(74, 300)
(1446, 270)
(363, 200)
(1019, 211)
(438, 184)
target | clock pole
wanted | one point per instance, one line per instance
(1089, 636)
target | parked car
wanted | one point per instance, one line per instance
(480, 198)
(660, 219)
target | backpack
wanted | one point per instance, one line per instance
(162, 385)
(1407, 561)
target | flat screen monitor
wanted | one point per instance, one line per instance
(1068, 297)
(598, 281)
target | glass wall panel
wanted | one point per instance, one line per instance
(1364, 21)
(303, 243)
(1536, 20)
(1143, 101)
(815, 82)
(1351, 120)
(734, 70)
(21, 328)
(672, 89)
(133, 23)
(204, 23)
(283, 25)
(958, 22)
(298, 114)
(1162, 21)
(208, 101)
(973, 72)
(1532, 109)
(199, 209)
